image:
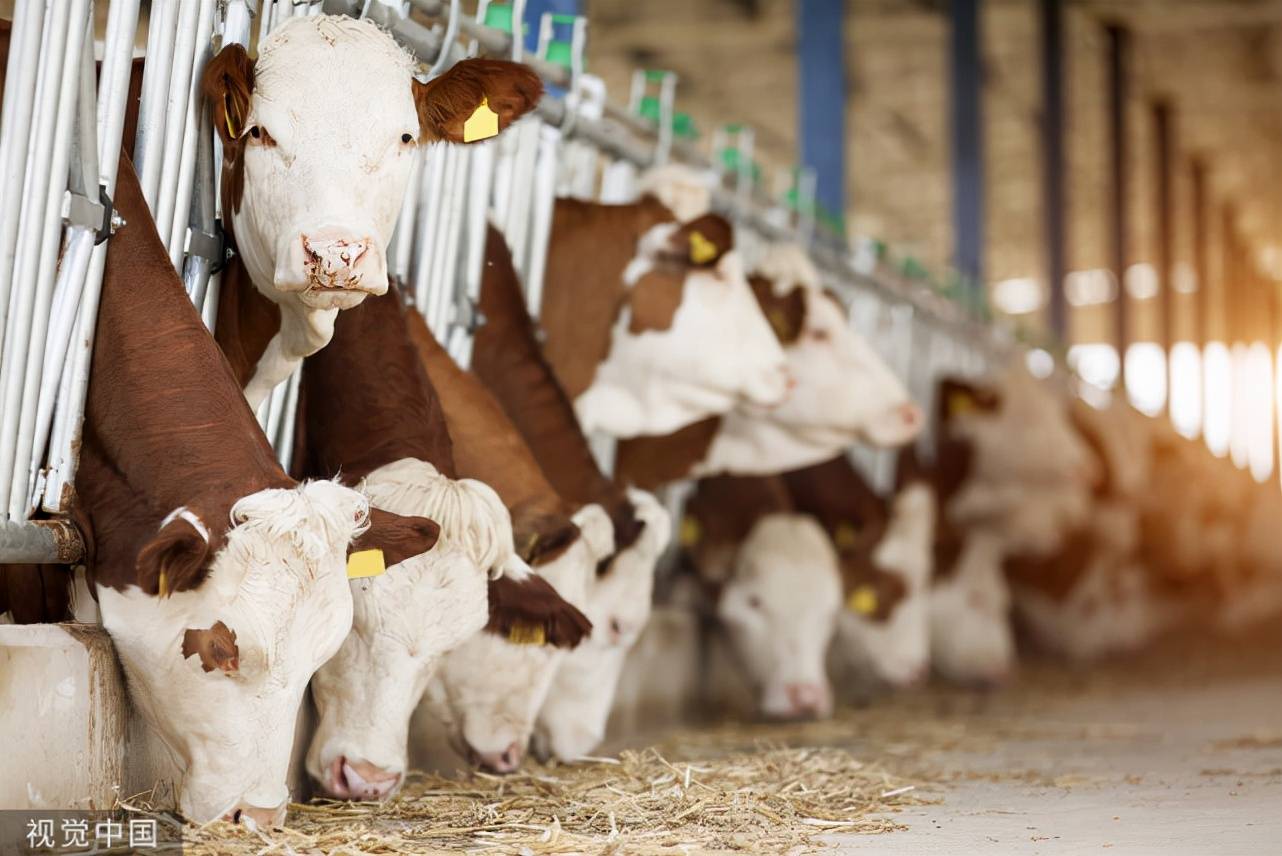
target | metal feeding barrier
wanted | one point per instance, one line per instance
(60, 139)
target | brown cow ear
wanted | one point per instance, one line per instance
(475, 100)
(400, 537)
(529, 611)
(176, 559)
(227, 83)
(216, 647)
(703, 241)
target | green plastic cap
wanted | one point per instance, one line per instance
(499, 16)
(560, 53)
(683, 126)
(649, 108)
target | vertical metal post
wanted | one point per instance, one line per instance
(1164, 215)
(534, 11)
(1230, 277)
(967, 145)
(821, 75)
(1118, 42)
(1201, 257)
(1054, 201)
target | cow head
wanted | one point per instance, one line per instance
(689, 342)
(573, 718)
(886, 623)
(488, 691)
(779, 608)
(318, 139)
(404, 622)
(970, 634)
(219, 669)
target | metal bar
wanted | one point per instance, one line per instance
(1164, 216)
(46, 542)
(1118, 85)
(1201, 259)
(967, 144)
(821, 75)
(153, 105)
(1054, 201)
(1230, 275)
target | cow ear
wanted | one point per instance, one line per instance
(529, 611)
(174, 560)
(703, 241)
(227, 83)
(399, 536)
(475, 100)
(215, 646)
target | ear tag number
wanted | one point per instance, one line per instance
(527, 634)
(862, 601)
(482, 124)
(702, 251)
(366, 563)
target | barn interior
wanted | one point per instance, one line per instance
(1080, 192)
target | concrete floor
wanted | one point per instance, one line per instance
(1175, 752)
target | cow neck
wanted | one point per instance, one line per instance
(488, 447)
(166, 425)
(649, 462)
(367, 401)
(590, 246)
(1057, 574)
(954, 457)
(247, 321)
(507, 357)
(725, 508)
(835, 493)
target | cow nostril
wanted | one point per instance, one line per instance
(235, 818)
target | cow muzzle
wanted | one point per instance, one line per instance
(332, 268)
(350, 779)
(257, 817)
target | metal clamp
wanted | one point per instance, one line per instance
(216, 248)
(468, 315)
(100, 215)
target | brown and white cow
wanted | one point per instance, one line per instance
(489, 690)
(650, 322)
(885, 550)
(318, 138)
(773, 577)
(221, 581)
(508, 357)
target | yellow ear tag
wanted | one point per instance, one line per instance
(845, 536)
(863, 600)
(482, 124)
(702, 250)
(778, 323)
(163, 584)
(960, 403)
(366, 563)
(690, 532)
(527, 634)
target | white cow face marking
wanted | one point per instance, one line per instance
(573, 718)
(714, 352)
(488, 691)
(970, 633)
(779, 609)
(219, 671)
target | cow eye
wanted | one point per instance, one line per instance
(407, 138)
(820, 335)
(754, 602)
(255, 132)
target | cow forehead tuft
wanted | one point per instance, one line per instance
(342, 36)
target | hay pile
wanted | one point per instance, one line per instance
(772, 800)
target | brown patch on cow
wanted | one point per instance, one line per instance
(399, 536)
(445, 103)
(35, 594)
(702, 242)
(508, 357)
(530, 609)
(488, 447)
(654, 301)
(227, 84)
(591, 245)
(216, 647)
(723, 510)
(1059, 573)
(246, 321)
(860, 578)
(176, 559)
(165, 418)
(540, 537)
(786, 314)
(649, 462)
(957, 397)
(954, 458)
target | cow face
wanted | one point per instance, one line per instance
(690, 341)
(970, 635)
(404, 621)
(219, 670)
(318, 137)
(573, 718)
(488, 691)
(779, 608)
(886, 623)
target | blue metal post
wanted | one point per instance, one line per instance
(822, 81)
(1056, 219)
(534, 10)
(967, 144)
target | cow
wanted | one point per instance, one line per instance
(508, 357)
(310, 190)
(650, 324)
(841, 393)
(885, 549)
(369, 413)
(220, 580)
(488, 691)
(772, 576)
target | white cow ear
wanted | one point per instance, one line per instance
(475, 99)
(227, 83)
(176, 559)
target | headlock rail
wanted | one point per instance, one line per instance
(60, 140)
